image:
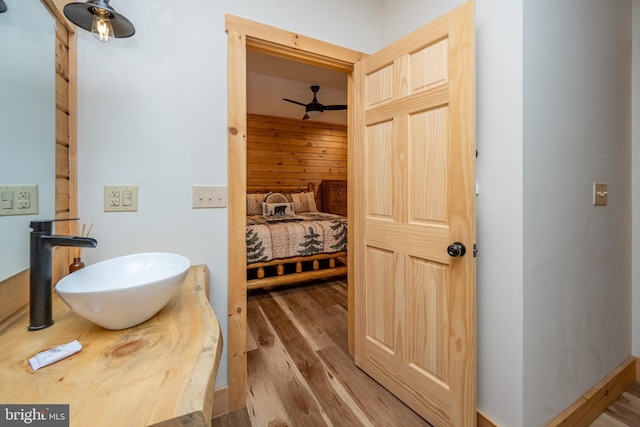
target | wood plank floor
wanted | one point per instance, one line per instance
(624, 412)
(300, 372)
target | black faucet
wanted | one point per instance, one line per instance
(40, 311)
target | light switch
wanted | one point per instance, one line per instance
(19, 200)
(209, 196)
(600, 193)
(7, 199)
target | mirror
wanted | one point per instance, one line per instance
(27, 121)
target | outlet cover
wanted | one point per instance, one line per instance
(18, 200)
(209, 196)
(600, 193)
(120, 198)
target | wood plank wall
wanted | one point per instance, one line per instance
(292, 152)
(66, 197)
(62, 122)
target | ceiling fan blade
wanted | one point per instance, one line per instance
(295, 102)
(335, 107)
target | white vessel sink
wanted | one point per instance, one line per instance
(122, 292)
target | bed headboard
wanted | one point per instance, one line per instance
(276, 188)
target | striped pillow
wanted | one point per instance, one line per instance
(254, 203)
(304, 202)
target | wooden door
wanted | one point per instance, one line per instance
(413, 181)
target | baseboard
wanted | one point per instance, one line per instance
(594, 402)
(485, 421)
(220, 401)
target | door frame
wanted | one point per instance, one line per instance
(243, 35)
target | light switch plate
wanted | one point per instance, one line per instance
(18, 200)
(600, 193)
(209, 196)
(120, 198)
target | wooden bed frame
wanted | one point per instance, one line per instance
(286, 271)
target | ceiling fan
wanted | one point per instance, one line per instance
(314, 109)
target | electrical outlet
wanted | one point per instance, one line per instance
(120, 198)
(209, 196)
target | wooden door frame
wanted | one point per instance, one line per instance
(244, 34)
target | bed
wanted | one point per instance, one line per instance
(289, 240)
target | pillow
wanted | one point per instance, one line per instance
(276, 198)
(254, 203)
(304, 202)
(275, 209)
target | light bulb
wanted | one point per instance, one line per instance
(101, 26)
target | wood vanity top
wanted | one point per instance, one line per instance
(161, 372)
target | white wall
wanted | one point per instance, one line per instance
(153, 112)
(577, 257)
(636, 178)
(499, 204)
(27, 97)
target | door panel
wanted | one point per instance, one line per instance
(414, 185)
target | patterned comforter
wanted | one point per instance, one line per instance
(285, 236)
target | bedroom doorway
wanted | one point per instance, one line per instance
(246, 35)
(411, 102)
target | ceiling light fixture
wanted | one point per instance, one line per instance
(3, 6)
(314, 112)
(100, 19)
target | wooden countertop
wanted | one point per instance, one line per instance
(161, 372)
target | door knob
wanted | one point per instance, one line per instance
(456, 249)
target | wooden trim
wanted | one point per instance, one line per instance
(237, 186)
(594, 402)
(220, 401)
(485, 421)
(55, 7)
(276, 42)
(242, 35)
(350, 215)
(67, 201)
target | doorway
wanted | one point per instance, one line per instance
(414, 107)
(242, 35)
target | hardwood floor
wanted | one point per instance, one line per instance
(300, 372)
(625, 411)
